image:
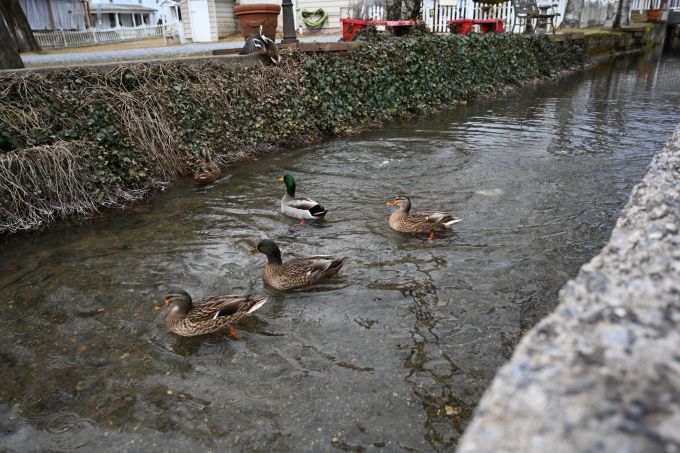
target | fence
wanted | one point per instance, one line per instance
(641, 5)
(61, 38)
(436, 13)
(467, 9)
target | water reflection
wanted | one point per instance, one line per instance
(392, 353)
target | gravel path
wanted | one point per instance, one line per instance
(193, 49)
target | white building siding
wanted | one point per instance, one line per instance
(186, 20)
(226, 22)
(67, 14)
(332, 7)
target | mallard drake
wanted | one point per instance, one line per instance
(190, 318)
(418, 222)
(208, 172)
(260, 44)
(298, 207)
(296, 272)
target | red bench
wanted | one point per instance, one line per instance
(350, 27)
(464, 26)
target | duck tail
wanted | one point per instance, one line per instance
(318, 211)
(450, 223)
(337, 264)
(256, 306)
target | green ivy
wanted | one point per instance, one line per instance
(237, 110)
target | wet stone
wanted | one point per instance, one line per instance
(613, 354)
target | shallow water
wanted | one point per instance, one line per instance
(395, 351)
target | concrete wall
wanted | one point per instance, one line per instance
(602, 373)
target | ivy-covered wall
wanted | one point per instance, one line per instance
(75, 140)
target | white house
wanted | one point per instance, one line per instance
(45, 15)
(170, 12)
(123, 13)
(208, 20)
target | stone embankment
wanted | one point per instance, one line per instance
(602, 373)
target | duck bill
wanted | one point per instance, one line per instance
(392, 203)
(251, 252)
(280, 179)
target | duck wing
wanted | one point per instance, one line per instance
(214, 307)
(254, 43)
(438, 218)
(272, 50)
(308, 265)
(302, 203)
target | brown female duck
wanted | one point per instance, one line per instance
(208, 172)
(296, 272)
(190, 318)
(405, 221)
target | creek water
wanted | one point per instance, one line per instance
(395, 351)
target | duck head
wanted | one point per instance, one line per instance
(180, 301)
(270, 249)
(404, 203)
(289, 181)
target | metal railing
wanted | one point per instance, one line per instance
(61, 38)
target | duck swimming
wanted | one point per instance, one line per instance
(189, 318)
(298, 207)
(405, 221)
(208, 172)
(296, 272)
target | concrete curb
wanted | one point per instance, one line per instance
(602, 373)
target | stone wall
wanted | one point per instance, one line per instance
(602, 373)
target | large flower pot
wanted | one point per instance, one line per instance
(250, 17)
(653, 15)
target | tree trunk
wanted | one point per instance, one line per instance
(18, 26)
(9, 57)
(572, 14)
(393, 9)
(410, 9)
(622, 13)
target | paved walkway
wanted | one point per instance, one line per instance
(196, 49)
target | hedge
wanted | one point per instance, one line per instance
(75, 140)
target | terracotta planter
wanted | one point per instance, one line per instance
(653, 15)
(250, 17)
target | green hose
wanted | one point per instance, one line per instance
(323, 15)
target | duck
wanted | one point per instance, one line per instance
(208, 172)
(405, 221)
(298, 207)
(296, 272)
(190, 318)
(261, 45)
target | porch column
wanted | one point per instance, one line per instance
(117, 20)
(134, 20)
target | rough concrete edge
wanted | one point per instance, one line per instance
(602, 373)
